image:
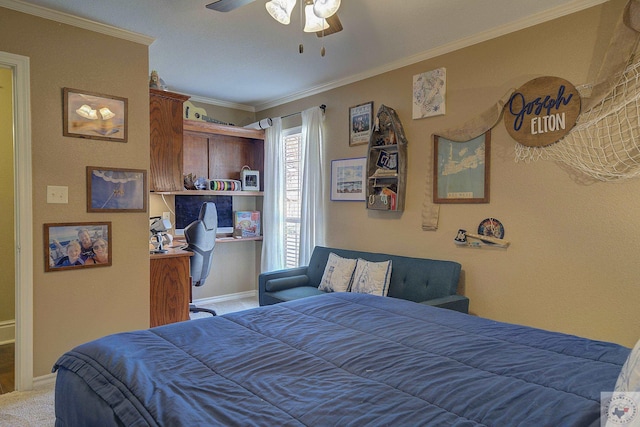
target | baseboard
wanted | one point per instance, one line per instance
(7, 331)
(228, 297)
(44, 381)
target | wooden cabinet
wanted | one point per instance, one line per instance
(387, 163)
(165, 110)
(170, 287)
(218, 151)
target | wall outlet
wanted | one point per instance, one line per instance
(166, 215)
(57, 194)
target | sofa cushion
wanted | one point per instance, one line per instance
(337, 274)
(372, 277)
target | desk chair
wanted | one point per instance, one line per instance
(201, 239)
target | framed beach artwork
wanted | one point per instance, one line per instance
(71, 246)
(429, 90)
(116, 189)
(461, 170)
(348, 177)
(94, 115)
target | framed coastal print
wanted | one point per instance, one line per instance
(348, 179)
(461, 170)
(94, 115)
(360, 123)
(116, 190)
(71, 246)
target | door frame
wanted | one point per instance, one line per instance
(23, 226)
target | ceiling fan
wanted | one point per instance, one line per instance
(321, 14)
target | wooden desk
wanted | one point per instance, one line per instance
(170, 287)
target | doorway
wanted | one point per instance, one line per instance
(7, 255)
(22, 249)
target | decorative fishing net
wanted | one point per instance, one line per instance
(605, 142)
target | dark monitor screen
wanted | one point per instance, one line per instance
(188, 209)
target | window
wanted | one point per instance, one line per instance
(293, 194)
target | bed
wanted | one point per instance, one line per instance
(340, 359)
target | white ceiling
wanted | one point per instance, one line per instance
(245, 59)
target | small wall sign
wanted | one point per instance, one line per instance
(542, 111)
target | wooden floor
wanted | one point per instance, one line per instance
(7, 355)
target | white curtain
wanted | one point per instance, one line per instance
(312, 224)
(273, 213)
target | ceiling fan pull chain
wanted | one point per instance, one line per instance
(301, 46)
(322, 50)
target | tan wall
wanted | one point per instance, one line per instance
(572, 265)
(71, 307)
(7, 245)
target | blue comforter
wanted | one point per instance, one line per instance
(337, 360)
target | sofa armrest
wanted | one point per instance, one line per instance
(452, 302)
(282, 283)
(263, 278)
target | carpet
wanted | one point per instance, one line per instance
(33, 408)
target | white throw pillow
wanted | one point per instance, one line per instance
(337, 274)
(372, 277)
(629, 378)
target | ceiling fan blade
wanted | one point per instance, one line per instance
(227, 5)
(334, 26)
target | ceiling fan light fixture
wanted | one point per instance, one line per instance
(280, 10)
(325, 8)
(313, 23)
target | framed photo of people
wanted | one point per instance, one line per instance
(71, 246)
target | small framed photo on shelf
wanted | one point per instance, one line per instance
(116, 190)
(461, 170)
(348, 179)
(94, 116)
(360, 123)
(70, 246)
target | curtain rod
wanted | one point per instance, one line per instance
(322, 107)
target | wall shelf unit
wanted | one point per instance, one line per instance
(387, 163)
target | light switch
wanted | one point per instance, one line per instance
(57, 194)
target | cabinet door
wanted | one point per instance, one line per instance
(196, 154)
(166, 141)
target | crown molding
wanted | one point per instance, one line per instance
(76, 21)
(539, 18)
(220, 103)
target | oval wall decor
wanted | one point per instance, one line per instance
(542, 111)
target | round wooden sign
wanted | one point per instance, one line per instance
(542, 111)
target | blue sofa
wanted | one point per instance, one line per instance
(421, 280)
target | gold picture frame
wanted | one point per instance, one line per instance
(93, 115)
